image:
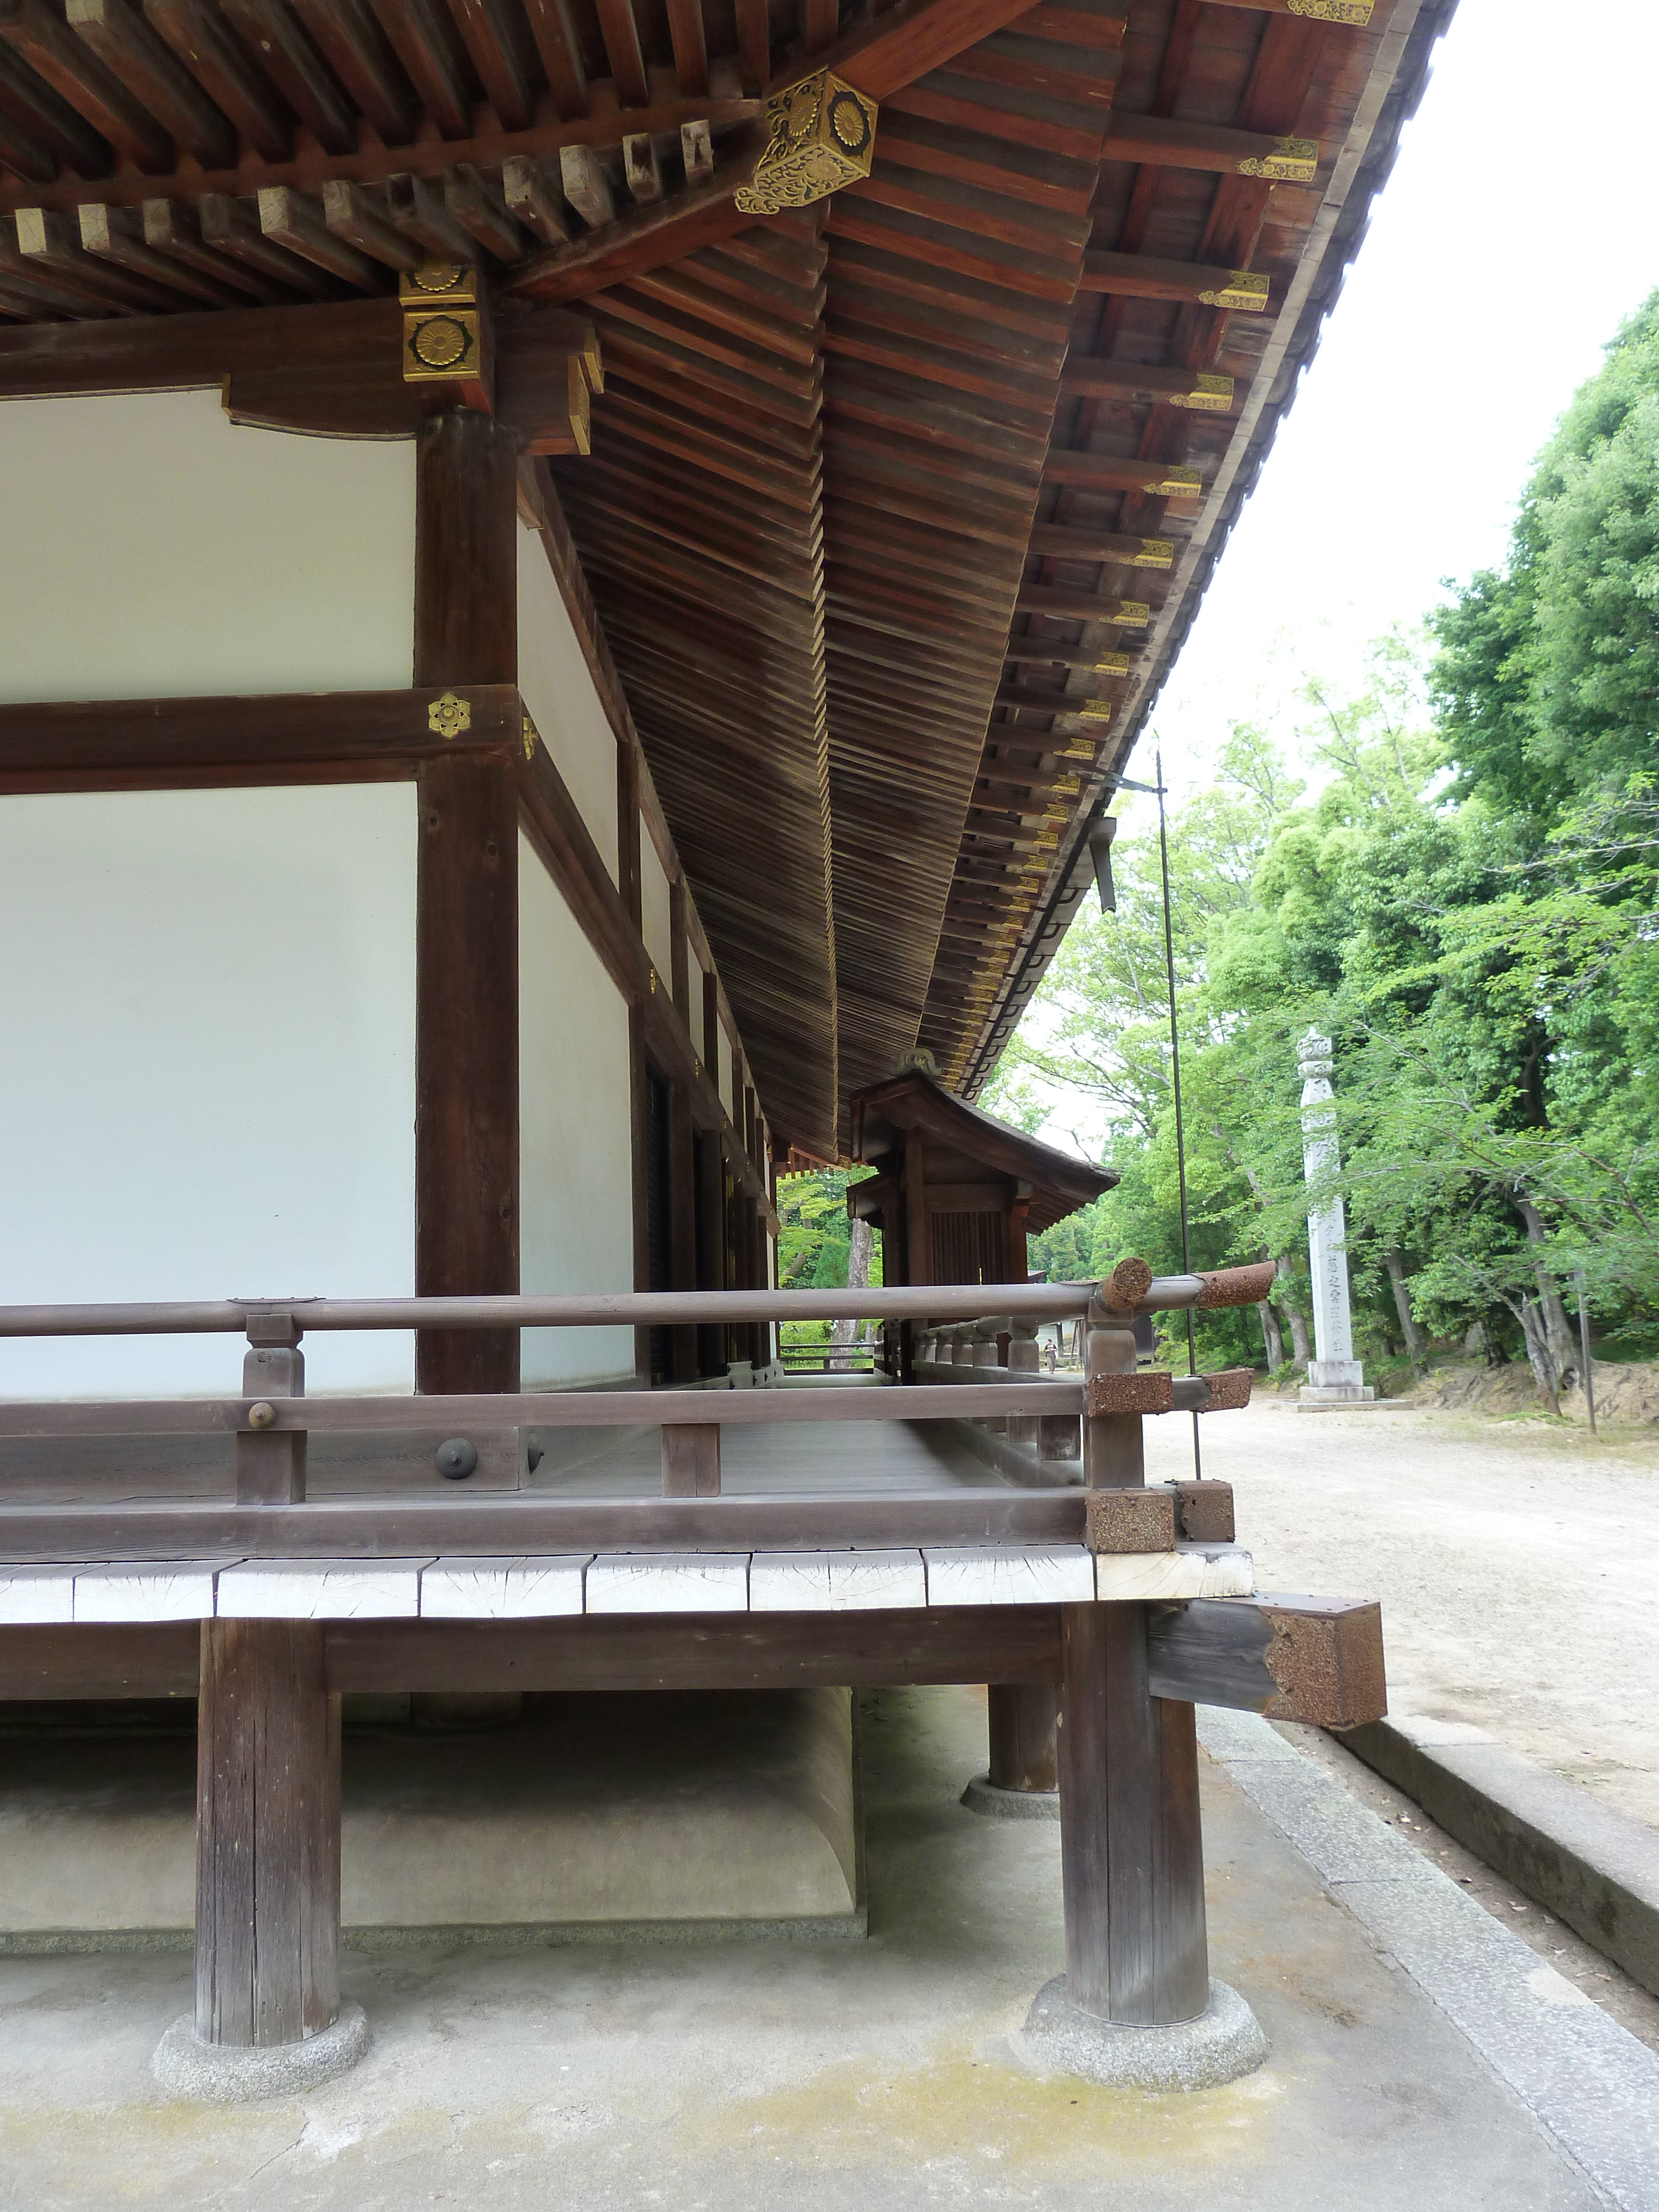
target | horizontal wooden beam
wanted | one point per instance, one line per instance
(1104, 472)
(1167, 144)
(1315, 1659)
(1139, 277)
(1075, 541)
(518, 1524)
(131, 744)
(1197, 390)
(1082, 606)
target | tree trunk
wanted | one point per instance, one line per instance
(1271, 1336)
(1301, 1349)
(1402, 1306)
(1544, 1370)
(861, 1241)
(1558, 1337)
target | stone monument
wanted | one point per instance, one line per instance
(1334, 1376)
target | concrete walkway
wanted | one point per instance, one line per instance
(1518, 1564)
(872, 2076)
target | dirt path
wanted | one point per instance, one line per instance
(1518, 1567)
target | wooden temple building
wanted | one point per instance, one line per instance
(579, 574)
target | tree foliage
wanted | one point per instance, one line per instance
(1469, 906)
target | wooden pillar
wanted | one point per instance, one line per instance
(267, 1835)
(640, 1154)
(1131, 1855)
(629, 865)
(1023, 1749)
(467, 1043)
(683, 1223)
(711, 1244)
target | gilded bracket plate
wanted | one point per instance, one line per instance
(1292, 161)
(821, 134)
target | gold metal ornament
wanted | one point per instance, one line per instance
(448, 716)
(532, 738)
(1242, 290)
(1292, 161)
(1210, 395)
(1111, 664)
(1355, 13)
(443, 325)
(1156, 552)
(1177, 483)
(1132, 614)
(821, 134)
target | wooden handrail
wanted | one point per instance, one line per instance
(632, 1308)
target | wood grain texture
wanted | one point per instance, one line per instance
(267, 1835)
(1024, 1741)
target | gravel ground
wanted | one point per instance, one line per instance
(1517, 1563)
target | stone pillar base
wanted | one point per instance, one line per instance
(1223, 2043)
(982, 1795)
(1316, 1394)
(241, 2074)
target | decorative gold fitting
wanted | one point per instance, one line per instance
(1210, 395)
(443, 324)
(448, 716)
(1110, 663)
(1242, 290)
(1179, 484)
(261, 1414)
(821, 134)
(1292, 161)
(1357, 14)
(1156, 552)
(532, 738)
(1132, 614)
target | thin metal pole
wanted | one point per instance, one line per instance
(1175, 1082)
(1585, 1353)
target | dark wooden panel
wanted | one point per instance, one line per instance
(162, 1660)
(700, 1652)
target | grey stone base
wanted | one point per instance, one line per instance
(1320, 1397)
(1221, 2043)
(232, 2073)
(982, 1795)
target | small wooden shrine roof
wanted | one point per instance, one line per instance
(963, 1145)
(899, 504)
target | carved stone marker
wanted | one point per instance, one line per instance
(1334, 1376)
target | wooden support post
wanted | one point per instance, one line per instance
(267, 1835)
(917, 1244)
(691, 1459)
(711, 1242)
(1131, 1851)
(629, 863)
(466, 1048)
(1114, 1455)
(1023, 1718)
(679, 956)
(638, 1112)
(683, 1222)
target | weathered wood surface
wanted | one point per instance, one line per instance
(1023, 1729)
(267, 1834)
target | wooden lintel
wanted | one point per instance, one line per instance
(301, 737)
(1316, 1660)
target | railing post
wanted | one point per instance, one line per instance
(1024, 1358)
(271, 1463)
(691, 1459)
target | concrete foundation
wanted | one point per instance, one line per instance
(1223, 2043)
(666, 1812)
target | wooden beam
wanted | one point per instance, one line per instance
(1074, 542)
(351, 214)
(492, 31)
(38, 36)
(1161, 143)
(1199, 390)
(1082, 606)
(533, 196)
(1315, 1660)
(212, 55)
(560, 48)
(466, 1119)
(296, 222)
(685, 32)
(116, 235)
(424, 39)
(45, 120)
(423, 215)
(174, 229)
(1137, 276)
(1099, 472)
(290, 60)
(141, 61)
(361, 56)
(475, 207)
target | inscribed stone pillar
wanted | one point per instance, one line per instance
(1334, 1376)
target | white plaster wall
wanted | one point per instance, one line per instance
(656, 911)
(575, 1176)
(157, 551)
(207, 1071)
(559, 692)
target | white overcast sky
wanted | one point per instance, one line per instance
(1520, 226)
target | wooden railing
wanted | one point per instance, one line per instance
(271, 1420)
